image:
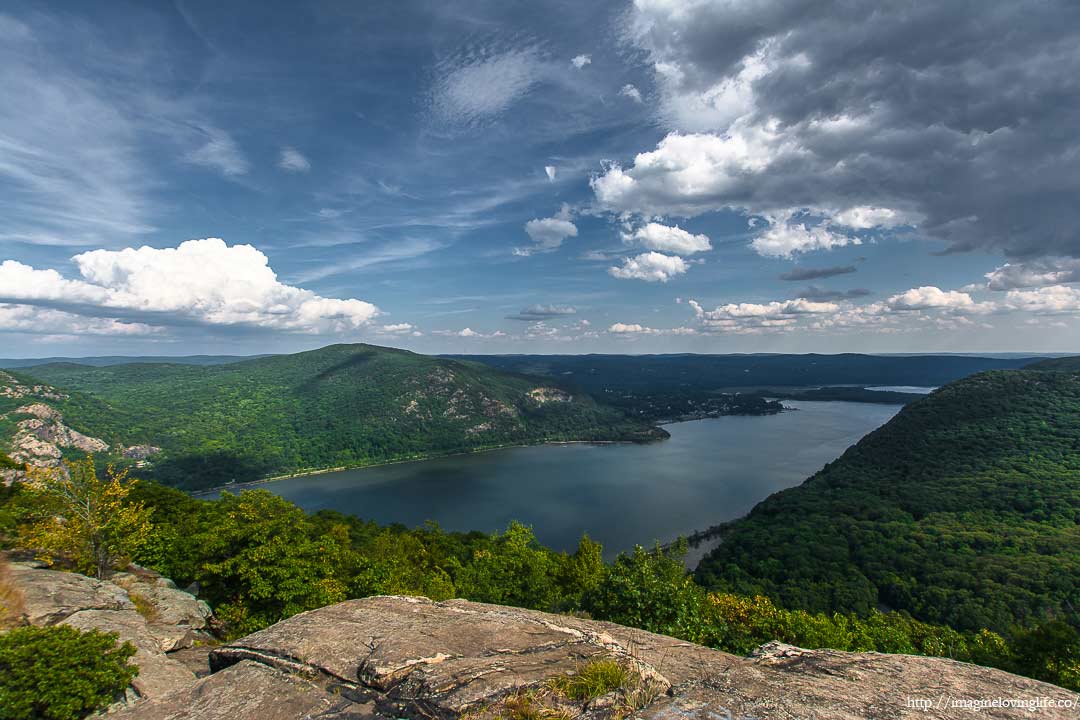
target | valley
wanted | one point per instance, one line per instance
(948, 529)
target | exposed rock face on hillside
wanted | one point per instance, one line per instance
(395, 657)
(12, 388)
(141, 607)
(41, 436)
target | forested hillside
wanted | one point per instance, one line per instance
(963, 510)
(339, 406)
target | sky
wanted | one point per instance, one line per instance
(543, 177)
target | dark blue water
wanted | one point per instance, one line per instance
(708, 472)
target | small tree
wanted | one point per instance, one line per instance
(84, 517)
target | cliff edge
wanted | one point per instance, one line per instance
(384, 658)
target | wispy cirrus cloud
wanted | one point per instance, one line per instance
(218, 151)
(70, 169)
(477, 84)
(292, 160)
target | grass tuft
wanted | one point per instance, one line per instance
(527, 705)
(144, 607)
(597, 678)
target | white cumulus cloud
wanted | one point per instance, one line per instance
(865, 217)
(628, 328)
(689, 174)
(1045, 301)
(669, 239)
(548, 234)
(650, 267)
(397, 328)
(784, 239)
(930, 297)
(199, 281)
(580, 61)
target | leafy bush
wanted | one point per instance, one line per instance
(650, 590)
(258, 561)
(60, 673)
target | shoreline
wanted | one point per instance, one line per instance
(197, 494)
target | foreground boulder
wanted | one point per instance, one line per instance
(399, 657)
(140, 607)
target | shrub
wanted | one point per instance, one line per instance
(650, 590)
(60, 673)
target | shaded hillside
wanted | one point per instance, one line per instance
(964, 509)
(342, 405)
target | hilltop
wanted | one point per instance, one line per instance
(964, 509)
(343, 405)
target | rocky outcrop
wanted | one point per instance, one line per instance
(139, 606)
(545, 395)
(397, 657)
(141, 453)
(41, 437)
(12, 388)
(50, 596)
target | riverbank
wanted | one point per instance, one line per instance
(620, 494)
(420, 457)
(423, 457)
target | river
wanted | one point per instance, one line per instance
(709, 471)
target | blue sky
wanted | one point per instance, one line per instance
(563, 177)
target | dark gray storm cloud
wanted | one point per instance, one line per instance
(534, 313)
(819, 294)
(961, 116)
(811, 273)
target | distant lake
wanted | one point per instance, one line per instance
(709, 471)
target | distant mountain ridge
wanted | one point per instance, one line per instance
(106, 360)
(670, 373)
(340, 406)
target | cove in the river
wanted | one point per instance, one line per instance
(708, 472)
